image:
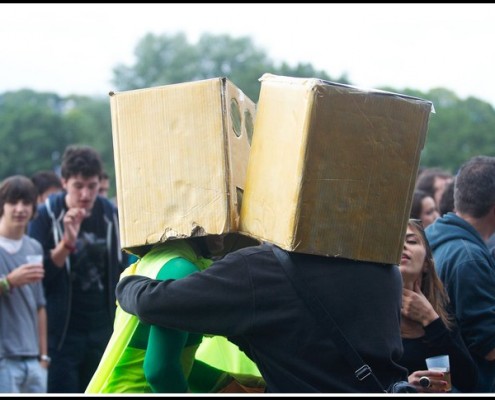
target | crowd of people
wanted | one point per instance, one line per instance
(91, 318)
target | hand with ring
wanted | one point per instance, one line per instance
(428, 381)
(425, 382)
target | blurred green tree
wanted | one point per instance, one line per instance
(458, 130)
(36, 127)
(165, 59)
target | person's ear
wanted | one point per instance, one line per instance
(64, 183)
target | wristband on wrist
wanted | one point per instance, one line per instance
(45, 357)
(4, 285)
(68, 246)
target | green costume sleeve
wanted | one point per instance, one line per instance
(207, 379)
(162, 363)
(165, 366)
(176, 268)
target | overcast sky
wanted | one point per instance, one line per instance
(72, 48)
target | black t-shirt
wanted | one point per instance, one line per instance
(89, 274)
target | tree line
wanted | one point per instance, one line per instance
(35, 127)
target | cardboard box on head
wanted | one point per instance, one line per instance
(181, 154)
(332, 168)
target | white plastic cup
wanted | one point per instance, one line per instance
(441, 364)
(34, 259)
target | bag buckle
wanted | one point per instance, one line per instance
(363, 372)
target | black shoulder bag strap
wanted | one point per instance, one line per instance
(361, 370)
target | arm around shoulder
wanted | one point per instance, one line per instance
(128, 291)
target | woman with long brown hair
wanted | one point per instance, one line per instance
(427, 327)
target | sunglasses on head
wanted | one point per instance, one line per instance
(417, 222)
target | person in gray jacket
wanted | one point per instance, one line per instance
(23, 346)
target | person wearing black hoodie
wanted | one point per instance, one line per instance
(465, 264)
(83, 261)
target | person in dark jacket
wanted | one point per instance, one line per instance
(83, 260)
(465, 265)
(247, 297)
(428, 328)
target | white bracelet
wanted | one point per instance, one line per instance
(46, 358)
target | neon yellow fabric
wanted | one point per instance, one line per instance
(121, 367)
(118, 355)
(217, 351)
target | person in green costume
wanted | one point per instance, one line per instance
(143, 358)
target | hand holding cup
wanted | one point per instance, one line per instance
(441, 364)
(30, 272)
